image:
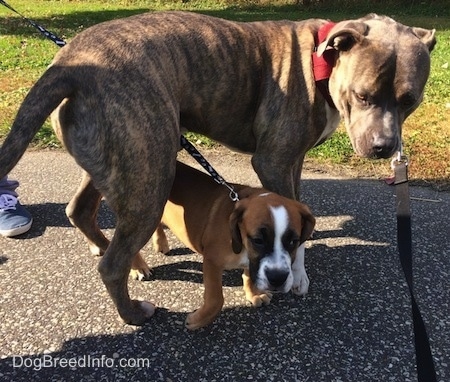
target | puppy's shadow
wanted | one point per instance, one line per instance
(191, 271)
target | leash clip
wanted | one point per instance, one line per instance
(399, 159)
(233, 194)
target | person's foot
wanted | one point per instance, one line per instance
(14, 218)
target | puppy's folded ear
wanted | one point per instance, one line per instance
(308, 222)
(235, 220)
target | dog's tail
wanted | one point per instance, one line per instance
(48, 92)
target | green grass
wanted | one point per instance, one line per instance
(24, 55)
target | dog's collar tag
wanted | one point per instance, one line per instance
(323, 64)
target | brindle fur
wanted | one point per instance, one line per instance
(121, 91)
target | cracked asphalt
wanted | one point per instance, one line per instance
(57, 322)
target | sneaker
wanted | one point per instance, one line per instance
(14, 218)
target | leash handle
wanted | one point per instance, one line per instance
(58, 41)
(189, 147)
(424, 360)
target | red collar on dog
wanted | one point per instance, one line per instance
(323, 65)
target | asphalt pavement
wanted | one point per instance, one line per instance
(57, 322)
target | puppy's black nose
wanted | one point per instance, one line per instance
(276, 277)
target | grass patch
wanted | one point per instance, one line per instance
(24, 55)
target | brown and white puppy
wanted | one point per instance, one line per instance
(263, 233)
(122, 91)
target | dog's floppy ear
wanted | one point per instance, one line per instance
(235, 220)
(428, 37)
(343, 36)
(308, 222)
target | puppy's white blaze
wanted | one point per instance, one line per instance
(279, 259)
(265, 194)
(280, 222)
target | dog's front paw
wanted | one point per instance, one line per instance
(258, 300)
(139, 268)
(300, 285)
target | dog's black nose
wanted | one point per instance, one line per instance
(276, 277)
(384, 148)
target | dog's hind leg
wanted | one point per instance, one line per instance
(138, 207)
(159, 239)
(82, 212)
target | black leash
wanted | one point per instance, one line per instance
(58, 41)
(424, 360)
(189, 147)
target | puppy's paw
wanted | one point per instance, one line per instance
(200, 318)
(258, 300)
(95, 250)
(300, 285)
(139, 268)
(141, 274)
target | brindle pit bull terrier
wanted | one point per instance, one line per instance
(121, 91)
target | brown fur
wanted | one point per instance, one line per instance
(202, 215)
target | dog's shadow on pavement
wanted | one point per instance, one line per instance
(54, 215)
(191, 271)
(161, 350)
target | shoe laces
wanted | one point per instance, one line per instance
(7, 202)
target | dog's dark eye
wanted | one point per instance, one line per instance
(408, 101)
(257, 242)
(362, 99)
(294, 243)
(291, 241)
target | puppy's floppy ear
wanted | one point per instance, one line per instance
(343, 36)
(308, 222)
(235, 220)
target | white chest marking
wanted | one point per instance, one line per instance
(333, 119)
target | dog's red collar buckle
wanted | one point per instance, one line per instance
(323, 65)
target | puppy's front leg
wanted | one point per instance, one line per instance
(213, 297)
(301, 281)
(255, 296)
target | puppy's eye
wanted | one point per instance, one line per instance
(294, 243)
(291, 242)
(257, 241)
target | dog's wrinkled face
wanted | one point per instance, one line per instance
(270, 229)
(378, 80)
